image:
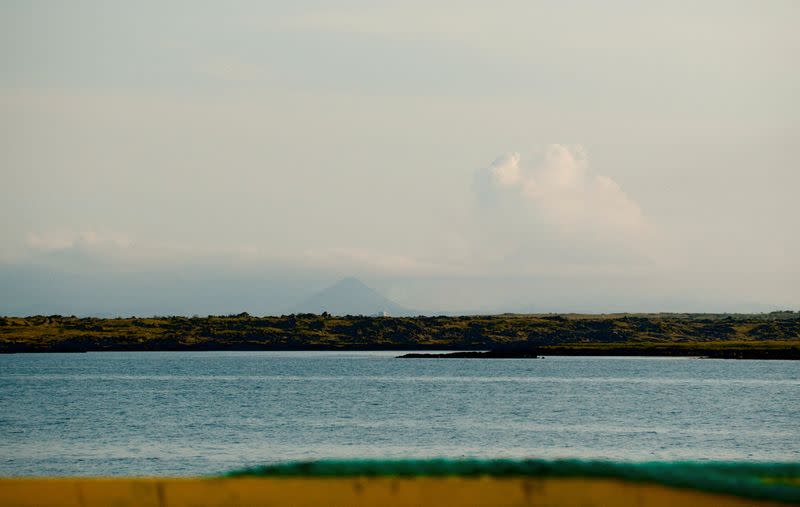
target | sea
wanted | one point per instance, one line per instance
(205, 413)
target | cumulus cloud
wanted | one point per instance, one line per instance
(556, 208)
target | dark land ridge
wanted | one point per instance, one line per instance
(710, 350)
(769, 335)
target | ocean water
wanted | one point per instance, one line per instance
(190, 413)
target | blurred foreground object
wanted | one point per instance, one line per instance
(431, 482)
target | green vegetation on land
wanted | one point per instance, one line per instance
(774, 334)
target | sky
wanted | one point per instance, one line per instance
(213, 157)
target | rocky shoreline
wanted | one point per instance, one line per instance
(790, 353)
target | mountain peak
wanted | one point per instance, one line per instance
(350, 296)
(350, 282)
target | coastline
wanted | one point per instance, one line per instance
(672, 350)
(755, 336)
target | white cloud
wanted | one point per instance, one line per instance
(569, 195)
(505, 171)
(556, 210)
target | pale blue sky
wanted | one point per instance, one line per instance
(456, 155)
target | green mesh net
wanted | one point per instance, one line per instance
(765, 481)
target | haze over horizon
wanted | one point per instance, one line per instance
(187, 158)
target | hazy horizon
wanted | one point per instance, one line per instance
(183, 158)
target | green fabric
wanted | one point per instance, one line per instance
(767, 481)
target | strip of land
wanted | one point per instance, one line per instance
(769, 349)
(771, 335)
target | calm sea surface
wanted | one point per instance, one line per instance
(183, 413)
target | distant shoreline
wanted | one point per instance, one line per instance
(759, 336)
(787, 353)
(772, 353)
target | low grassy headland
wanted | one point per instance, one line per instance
(773, 335)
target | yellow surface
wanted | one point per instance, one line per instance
(352, 492)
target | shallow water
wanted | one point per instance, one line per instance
(189, 413)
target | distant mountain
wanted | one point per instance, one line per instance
(350, 296)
